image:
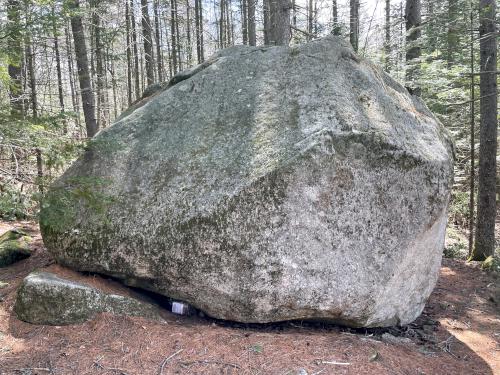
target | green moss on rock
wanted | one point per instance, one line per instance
(14, 246)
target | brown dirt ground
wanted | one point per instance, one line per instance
(458, 333)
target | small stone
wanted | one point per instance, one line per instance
(390, 339)
(302, 372)
(45, 298)
(14, 246)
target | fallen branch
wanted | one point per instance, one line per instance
(168, 359)
(208, 362)
(335, 363)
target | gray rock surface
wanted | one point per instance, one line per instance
(45, 298)
(14, 246)
(269, 184)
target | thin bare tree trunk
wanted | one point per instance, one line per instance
(309, 19)
(188, 33)
(413, 33)
(198, 9)
(173, 21)
(387, 44)
(159, 57)
(136, 52)
(32, 78)
(71, 74)
(129, 54)
(252, 38)
(266, 10)
(15, 57)
(335, 18)
(244, 21)
(88, 101)
(60, 85)
(486, 199)
(148, 45)
(354, 24)
(99, 67)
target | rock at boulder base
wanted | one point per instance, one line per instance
(14, 246)
(269, 184)
(45, 298)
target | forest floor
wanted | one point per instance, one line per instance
(458, 333)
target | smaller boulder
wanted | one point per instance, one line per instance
(45, 298)
(14, 246)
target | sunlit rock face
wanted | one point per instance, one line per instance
(267, 184)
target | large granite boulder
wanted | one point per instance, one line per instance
(266, 184)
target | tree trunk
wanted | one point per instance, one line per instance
(148, 45)
(309, 19)
(82, 64)
(266, 10)
(60, 86)
(222, 29)
(387, 44)
(159, 57)
(188, 34)
(452, 36)
(413, 33)
(279, 22)
(244, 21)
(486, 200)
(14, 57)
(178, 36)
(198, 10)
(252, 38)
(136, 52)
(354, 24)
(173, 20)
(99, 67)
(32, 78)
(71, 74)
(335, 18)
(472, 135)
(129, 54)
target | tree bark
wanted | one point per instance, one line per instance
(279, 22)
(452, 33)
(148, 45)
(82, 63)
(32, 78)
(173, 20)
(354, 24)
(198, 10)
(188, 33)
(335, 18)
(60, 86)
(99, 67)
(266, 10)
(15, 56)
(244, 21)
(413, 33)
(136, 52)
(129, 54)
(486, 200)
(252, 37)
(309, 19)
(387, 44)
(71, 74)
(159, 57)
